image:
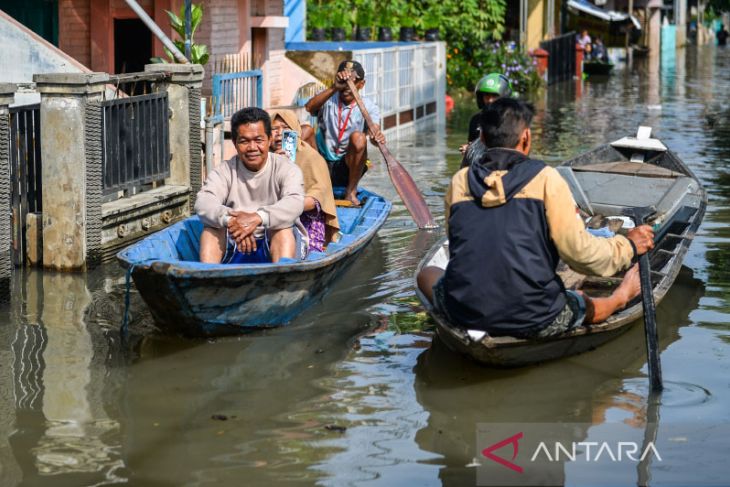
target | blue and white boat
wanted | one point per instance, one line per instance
(190, 298)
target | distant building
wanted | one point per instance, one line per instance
(106, 35)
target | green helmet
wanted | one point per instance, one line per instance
(494, 83)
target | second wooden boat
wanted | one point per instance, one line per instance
(604, 181)
(597, 68)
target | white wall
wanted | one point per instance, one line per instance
(29, 54)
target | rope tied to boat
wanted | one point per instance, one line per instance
(124, 329)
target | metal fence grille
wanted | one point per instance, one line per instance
(390, 83)
(561, 59)
(25, 173)
(406, 82)
(405, 78)
(428, 75)
(233, 91)
(136, 142)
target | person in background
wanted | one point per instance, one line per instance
(488, 89)
(584, 41)
(251, 203)
(510, 220)
(320, 214)
(722, 36)
(341, 134)
(599, 52)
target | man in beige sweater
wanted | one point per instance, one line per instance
(253, 200)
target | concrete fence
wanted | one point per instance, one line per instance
(7, 96)
(80, 225)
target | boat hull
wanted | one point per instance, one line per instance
(597, 68)
(236, 304)
(189, 298)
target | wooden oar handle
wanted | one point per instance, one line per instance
(363, 110)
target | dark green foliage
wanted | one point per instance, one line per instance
(471, 28)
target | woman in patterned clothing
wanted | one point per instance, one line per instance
(320, 213)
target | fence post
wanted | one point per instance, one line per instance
(579, 56)
(71, 145)
(183, 92)
(541, 55)
(7, 96)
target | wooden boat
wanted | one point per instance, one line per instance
(604, 181)
(597, 67)
(200, 300)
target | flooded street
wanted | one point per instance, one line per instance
(357, 391)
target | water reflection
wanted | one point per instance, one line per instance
(238, 408)
(458, 394)
(78, 408)
(57, 426)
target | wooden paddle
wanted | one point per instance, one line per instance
(403, 182)
(640, 216)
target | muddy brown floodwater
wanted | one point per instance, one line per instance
(357, 391)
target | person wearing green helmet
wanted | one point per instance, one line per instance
(488, 89)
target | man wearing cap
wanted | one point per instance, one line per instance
(340, 137)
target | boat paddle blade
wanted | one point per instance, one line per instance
(640, 215)
(408, 191)
(403, 182)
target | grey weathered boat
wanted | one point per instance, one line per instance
(631, 172)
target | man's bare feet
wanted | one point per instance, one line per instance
(351, 196)
(630, 287)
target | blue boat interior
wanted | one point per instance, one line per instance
(181, 241)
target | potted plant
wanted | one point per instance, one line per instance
(407, 26)
(317, 19)
(364, 20)
(431, 20)
(340, 22)
(386, 22)
(198, 52)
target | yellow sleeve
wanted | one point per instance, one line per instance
(458, 191)
(447, 206)
(582, 251)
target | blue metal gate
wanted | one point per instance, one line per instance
(233, 91)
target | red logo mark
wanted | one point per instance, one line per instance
(514, 440)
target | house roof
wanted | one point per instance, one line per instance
(588, 8)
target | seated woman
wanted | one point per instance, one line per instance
(320, 213)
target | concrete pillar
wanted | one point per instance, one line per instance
(654, 26)
(71, 144)
(183, 91)
(680, 20)
(542, 57)
(579, 56)
(7, 96)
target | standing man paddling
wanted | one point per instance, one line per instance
(341, 134)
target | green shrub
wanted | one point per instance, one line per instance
(472, 30)
(466, 64)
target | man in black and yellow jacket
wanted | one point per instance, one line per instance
(510, 220)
